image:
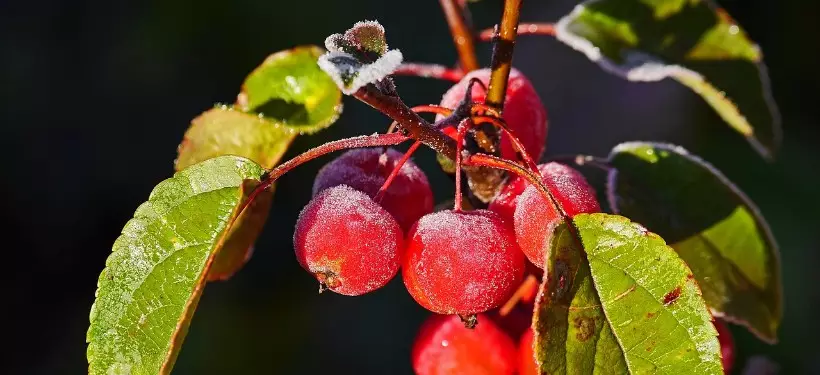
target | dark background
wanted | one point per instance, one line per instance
(95, 96)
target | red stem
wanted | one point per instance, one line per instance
(499, 123)
(518, 169)
(486, 35)
(462, 131)
(342, 144)
(396, 170)
(462, 34)
(430, 71)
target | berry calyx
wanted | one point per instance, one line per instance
(526, 355)
(535, 217)
(523, 111)
(727, 345)
(407, 198)
(445, 347)
(462, 262)
(347, 241)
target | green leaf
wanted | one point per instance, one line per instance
(571, 330)
(712, 225)
(289, 88)
(226, 131)
(626, 304)
(691, 41)
(154, 276)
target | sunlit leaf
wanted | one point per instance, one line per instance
(154, 276)
(226, 131)
(620, 301)
(714, 227)
(289, 88)
(691, 41)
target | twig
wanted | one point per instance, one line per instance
(486, 35)
(430, 71)
(503, 46)
(462, 35)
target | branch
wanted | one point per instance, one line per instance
(462, 34)
(410, 122)
(504, 43)
(486, 35)
(430, 71)
(342, 144)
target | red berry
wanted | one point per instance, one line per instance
(523, 111)
(445, 347)
(350, 243)
(409, 196)
(526, 356)
(535, 218)
(462, 262)
(504, 203)
(727, 345)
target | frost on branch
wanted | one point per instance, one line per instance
(359, 57)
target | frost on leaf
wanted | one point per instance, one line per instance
(359, 57)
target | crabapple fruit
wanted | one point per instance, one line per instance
(727, 345)
(526, 356)
(523, 111)
(445, 347)
(535, 217)
(407, 198)
(462, 262)
(347, 241)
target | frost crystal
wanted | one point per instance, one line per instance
(359, 57)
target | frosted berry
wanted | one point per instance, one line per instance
(504, 203)
(727, 345)
(535, 218)
(350, 243)
(462, 262)
(445, 347)
(523, 111)
(526, 355)
(409, 196)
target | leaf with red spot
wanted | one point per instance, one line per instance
(617, 299)
(712, 225)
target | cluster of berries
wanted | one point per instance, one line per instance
(372, 214)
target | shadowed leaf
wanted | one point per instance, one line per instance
(691, 41)
(712, 225)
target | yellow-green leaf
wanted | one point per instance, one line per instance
(155, 274)
(227, 131)
(289, 88)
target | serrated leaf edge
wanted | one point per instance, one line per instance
(611, 196)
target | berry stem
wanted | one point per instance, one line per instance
(409, 121)
(501, 124)
(396, 170)
(526, 287)
(503, 46)
(343, 144)
(462, 131)
(486, 35)
(430, 71)
(462, 34)
(520, 170)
